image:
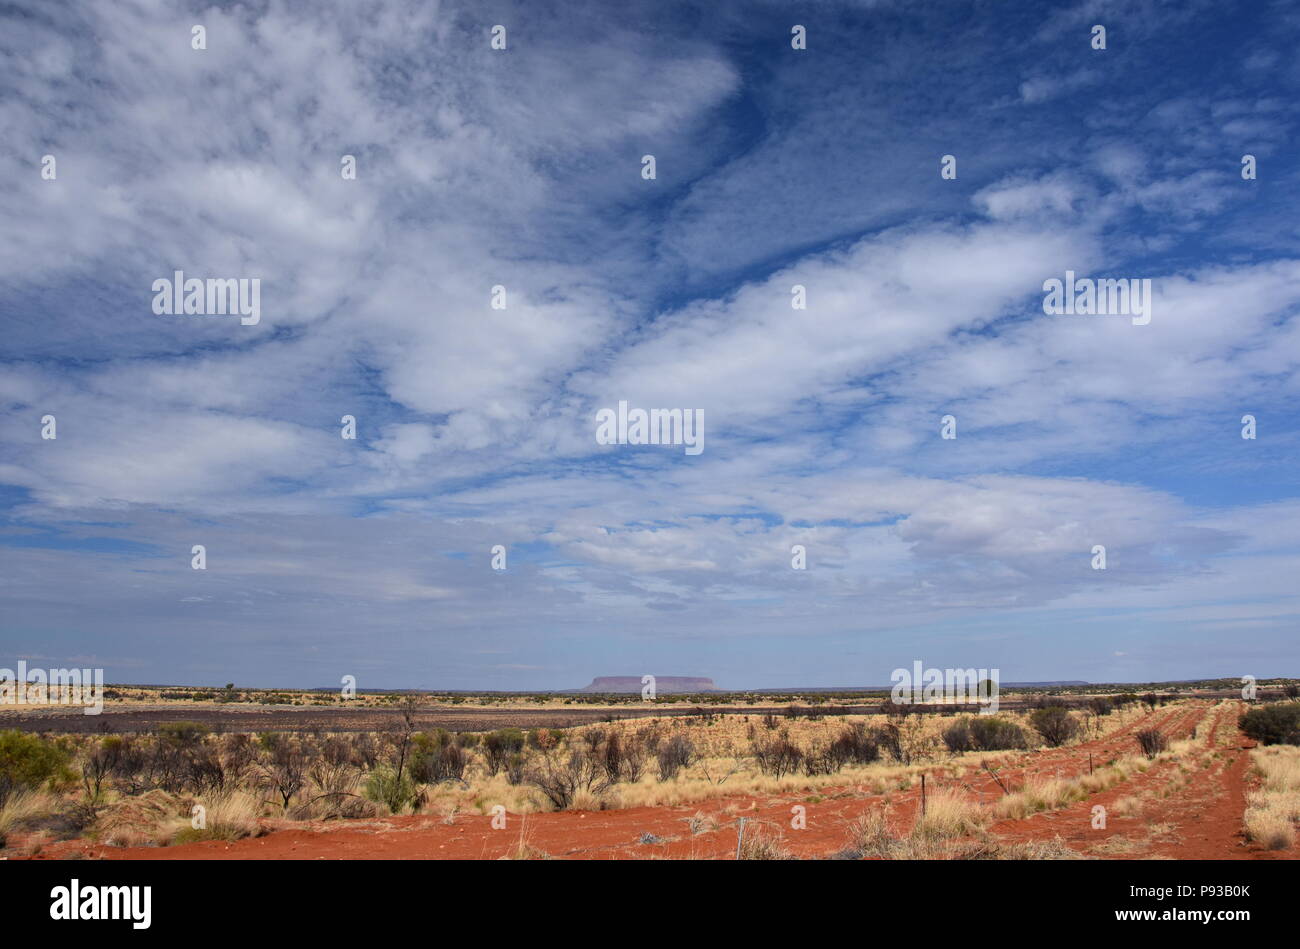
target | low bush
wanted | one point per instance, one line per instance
(674, 755)
(984, 733)
(856, 744)
(1055, 724)
(1152, 741)
(499, 745)
(777, 756)
(27, 762)
(1273, 724)
(383, 786)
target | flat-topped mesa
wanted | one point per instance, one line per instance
(664, 684)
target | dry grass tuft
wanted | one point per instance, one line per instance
(949, 814)
(1270, 829)
(22, 807)
(701, 823)
(229, 815)
(1272, 810)
(761, 843)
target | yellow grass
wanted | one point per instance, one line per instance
(762, 843)
(23, 806)
(1270, 829)
(949, 814)
(229, 815)
(1272, 810)
(960, 836)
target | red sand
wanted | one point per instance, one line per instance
(1201, 819)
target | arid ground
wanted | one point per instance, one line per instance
(1203, 791)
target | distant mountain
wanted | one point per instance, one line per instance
(665, 684)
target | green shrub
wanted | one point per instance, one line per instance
(499, 746)
(27, 762)
(984, 733)
(1055, 724)
(182, 733)
(1273, 724)
(996, 734)
(856, 744)
(384, 787)
(432, 763)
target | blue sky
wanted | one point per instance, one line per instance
(476, 426)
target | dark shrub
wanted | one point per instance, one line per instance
(1101, 706)
(1273, 724)
(819, 760)
(989, 733)
(436, 757)
(856, 744)
(612, 758)
(1055, 724)
(984, 733)
(891, 740)
(777, 756)
(1152, 741)
(957, 736)
(97, 763)
(499, 745)
(286, 770)
(203, 770)
(634, 755)
(674, 755)
(561, 782)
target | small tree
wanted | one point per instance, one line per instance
(97, 764)
(286, 771)
(1055, 724)
(778, 756)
